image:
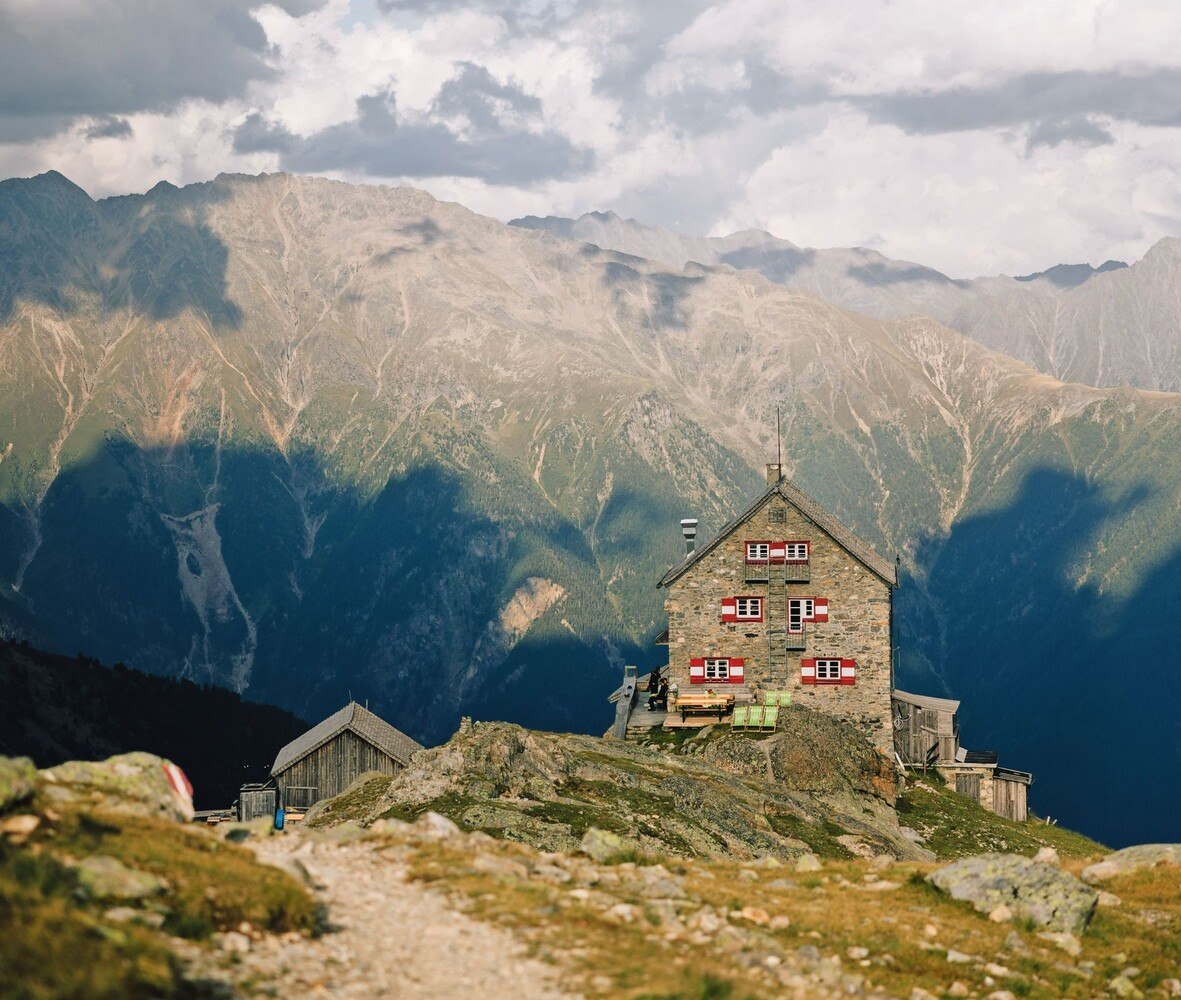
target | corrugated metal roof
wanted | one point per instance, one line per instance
(811, 509)
(926, 701)
(362, 722)
(1009, 774)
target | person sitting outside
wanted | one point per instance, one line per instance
(659, 699)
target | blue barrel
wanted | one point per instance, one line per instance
(279, 818)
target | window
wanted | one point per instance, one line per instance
(777, 515)
(796, 552)
(749, 609)
(758, 551)
(719, 670)
(799, 610)
(828, 671)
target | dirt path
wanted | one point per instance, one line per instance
(391, 938)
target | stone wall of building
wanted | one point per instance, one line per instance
(858, 626)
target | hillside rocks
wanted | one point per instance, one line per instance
(1132, 859)
(712, 795)
(132, 783)
(17, 777)
(106, 878)
(1030, 890)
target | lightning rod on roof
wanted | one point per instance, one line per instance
(778, 442)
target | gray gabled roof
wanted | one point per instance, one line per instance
(361, 721)
(811, 509)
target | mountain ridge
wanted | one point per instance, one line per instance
(1059, 321)
(316, 438)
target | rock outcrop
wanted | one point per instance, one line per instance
(1031, 890)
(134, 783)
(716, 794)
(1132, 859)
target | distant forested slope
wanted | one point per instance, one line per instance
(57, 708)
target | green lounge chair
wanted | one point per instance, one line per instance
(779, 698)
(771, 717)
(756, 717)
(741, 717)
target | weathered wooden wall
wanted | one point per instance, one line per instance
(330, 769)
(1010, 799)
(255, 802)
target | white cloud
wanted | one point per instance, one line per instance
(974, 139)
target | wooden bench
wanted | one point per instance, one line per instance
(704, 703)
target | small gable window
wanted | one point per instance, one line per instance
(758, 552)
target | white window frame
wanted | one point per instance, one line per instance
(807, 606)
(756, 548)
(796, 552)
(753, 606)
(828, 671)
(717, 669)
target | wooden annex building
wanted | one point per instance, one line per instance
(927, 734)
(330, 756)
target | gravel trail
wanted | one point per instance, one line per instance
(390, 938)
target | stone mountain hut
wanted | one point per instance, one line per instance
(329, 757)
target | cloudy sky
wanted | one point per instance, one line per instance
(977, 138)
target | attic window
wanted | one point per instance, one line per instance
(777, 515)
(758, 552)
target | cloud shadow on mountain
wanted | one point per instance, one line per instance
(152, 253)
(1072, 683)
(895, 274)
(665, 308)
(778, 264)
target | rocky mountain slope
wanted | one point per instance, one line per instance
(1105, 326)
(59, 708)
(94, 864)
(311, 439)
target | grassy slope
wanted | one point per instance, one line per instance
(907, 930)
(55, 942)
(956, 827)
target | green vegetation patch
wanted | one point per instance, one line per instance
(957, 827)
(210, 884)
(355, 803)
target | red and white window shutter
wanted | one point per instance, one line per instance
(697, 670)
(848, 671)
(729, 609)
(808, 671)
(820, 609)
(737, 670)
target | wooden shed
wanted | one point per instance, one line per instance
(256, 800)
(330, 756)
(926, 729)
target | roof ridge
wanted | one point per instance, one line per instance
(812, 509)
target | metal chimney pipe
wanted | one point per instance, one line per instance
(689, 530)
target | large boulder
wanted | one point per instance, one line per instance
(1040, 893)
(17, 781)
(1132, 859)
(139, 784)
